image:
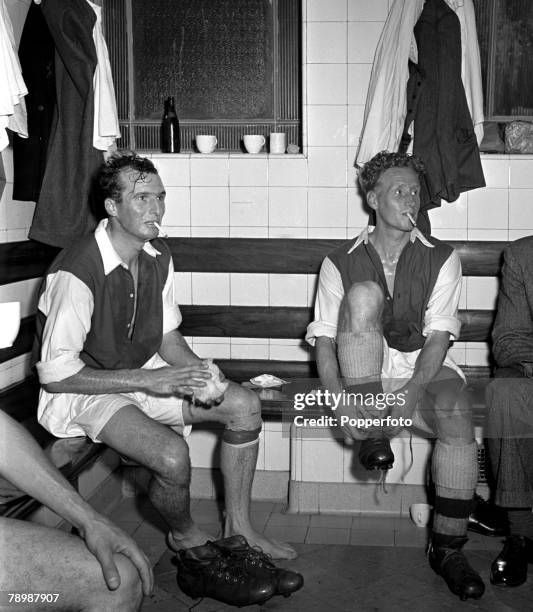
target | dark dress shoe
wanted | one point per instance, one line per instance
(256, 562)
(376, 454)
(203, 571)
(509, 569)
(488, 519)
(450, 563)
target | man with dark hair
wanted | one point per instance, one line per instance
(115, 367)
(510, 412)
(385, 312)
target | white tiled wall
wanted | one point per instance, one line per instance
(312, 195)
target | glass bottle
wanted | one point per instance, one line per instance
(170, 128)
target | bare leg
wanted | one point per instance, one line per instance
(157, 447)
(37, 559)
(240, 412)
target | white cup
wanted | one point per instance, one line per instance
(420, 514)
(278, 142)
(206, 143)
(9, 323)
(253, 143)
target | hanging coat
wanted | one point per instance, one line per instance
(36, 54)
(444, 135)
(63, 212)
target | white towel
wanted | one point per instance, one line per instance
(106, 126)
(12, 106)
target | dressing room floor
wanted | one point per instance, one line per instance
(348, 562)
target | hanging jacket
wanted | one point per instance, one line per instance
(444, 135)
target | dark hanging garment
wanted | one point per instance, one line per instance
(36, 55)
(63, 213)
(444, 134)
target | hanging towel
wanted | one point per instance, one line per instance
(106, 126)
(13, 89)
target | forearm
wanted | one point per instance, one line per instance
(430, 358)
(24, 464)
(175, 350)
(513, 348)
(90, 381)
(327, 364)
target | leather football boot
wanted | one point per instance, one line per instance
(488, 519)
(376, 454)
(256, 562)
(509, 569)
(203, 571)
(450, 563)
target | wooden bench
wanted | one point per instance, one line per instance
(28, 260)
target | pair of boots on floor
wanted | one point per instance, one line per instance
(231, 571)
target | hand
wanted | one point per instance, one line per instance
(176, 380)
(405, 406)
(356, 417)
(104, 539)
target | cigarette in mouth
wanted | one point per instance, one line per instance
(409, 215)
(161, 232)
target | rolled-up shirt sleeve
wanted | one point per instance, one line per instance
(171, 313)
(67, 303)
(441, 312)
(327, 304)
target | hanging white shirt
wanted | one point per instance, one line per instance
(106, 126)
(13, 89)
(386, 102)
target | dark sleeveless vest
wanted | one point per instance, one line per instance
(416, 273)
(108, 344)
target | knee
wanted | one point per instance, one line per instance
(243, 423)
(129, 593)
(364, 301)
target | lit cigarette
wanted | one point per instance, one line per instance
(409, 215)
(161, 232)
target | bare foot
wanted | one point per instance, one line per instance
(277, 550)
(193, 537)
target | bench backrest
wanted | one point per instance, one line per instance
(27, 259)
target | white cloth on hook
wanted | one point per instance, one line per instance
(470, 63)
(13, 89)
(106, 126)
(386, 102)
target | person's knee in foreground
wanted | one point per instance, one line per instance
(510, 413)
(115, 367)
(385, 312)
(102, 570)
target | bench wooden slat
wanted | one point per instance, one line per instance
(29, 259)
(291, 322)
(300, 256)
(24, 259)
(256, 322)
